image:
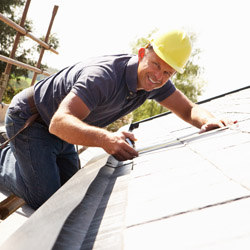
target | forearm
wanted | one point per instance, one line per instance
(188, 111)
(192, 113)
(199, 116)
(74, 131)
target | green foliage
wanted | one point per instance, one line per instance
(15, 86)
(53, 41)
(20, 83)
(7, 6)
(147, 109)
(141, 42)
(191, 82)
(9, 93)
(113, 127)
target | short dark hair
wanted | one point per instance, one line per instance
(149, 46)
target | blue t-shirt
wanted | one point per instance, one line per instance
(107, 85)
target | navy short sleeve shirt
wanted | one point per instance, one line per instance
(107, 85)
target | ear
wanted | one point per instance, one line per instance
(141, 53)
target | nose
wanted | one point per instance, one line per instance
(158, 75)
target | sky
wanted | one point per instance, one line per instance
(87, 28)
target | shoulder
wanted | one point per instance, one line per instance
(104, 69)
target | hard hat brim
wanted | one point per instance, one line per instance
(167, 60)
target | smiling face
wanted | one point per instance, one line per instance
(153, 72)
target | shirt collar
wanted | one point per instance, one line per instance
(131, 74)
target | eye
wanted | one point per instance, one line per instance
(156, 65)
(166, 73)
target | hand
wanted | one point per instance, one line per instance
(216, 123)
(117, 146)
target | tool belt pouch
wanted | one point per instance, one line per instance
(34, 116)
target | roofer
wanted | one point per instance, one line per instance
(75, 103)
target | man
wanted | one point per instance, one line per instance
(77, 101)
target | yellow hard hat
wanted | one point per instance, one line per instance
(173, 47)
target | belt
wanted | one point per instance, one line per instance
(31, 102)
(35, 115)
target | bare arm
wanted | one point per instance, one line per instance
(192, 113)
(67, 124)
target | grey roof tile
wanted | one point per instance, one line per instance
(224, 226)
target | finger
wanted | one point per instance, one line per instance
(129, 135)
(123, 156)
(227, 122)
(130, 142)
(203, 129)
(219, 124)
(130, 150)
(210, 126)
(125, 152)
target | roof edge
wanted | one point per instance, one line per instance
(135, 125)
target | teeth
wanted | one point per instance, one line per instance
(152, 80)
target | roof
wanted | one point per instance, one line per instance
(185, 191)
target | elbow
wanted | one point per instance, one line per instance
(53, 126)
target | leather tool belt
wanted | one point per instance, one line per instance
(35, 115)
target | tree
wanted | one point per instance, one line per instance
(190, 82)
(114, 126)
(11, 9)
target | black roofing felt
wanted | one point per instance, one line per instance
(82, 225)
(185, 191)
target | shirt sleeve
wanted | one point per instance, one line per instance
(163, 92)
(93, 87)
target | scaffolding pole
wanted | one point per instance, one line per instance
(24, 32)
(23, 65)
(46, 40)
